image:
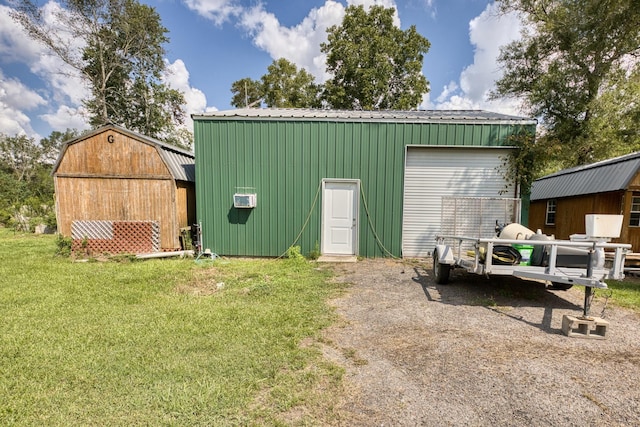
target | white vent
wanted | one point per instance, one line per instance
(243, 201)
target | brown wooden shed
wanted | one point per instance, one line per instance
(560, 201)
(119, 191)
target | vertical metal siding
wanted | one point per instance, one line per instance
(285, 162)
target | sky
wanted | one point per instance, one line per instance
(216, 42)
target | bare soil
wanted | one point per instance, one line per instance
(476, 352)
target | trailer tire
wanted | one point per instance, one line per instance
(557, 286)
(440, 271)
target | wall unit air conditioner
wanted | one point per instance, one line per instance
(244, 200)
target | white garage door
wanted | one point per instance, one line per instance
(430, 174)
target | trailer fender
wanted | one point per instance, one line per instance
(445, 254)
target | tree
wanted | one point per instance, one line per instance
(51, 145)
(614, 127)
(26, 184)
(284, 86)
(117, 48)
(374, 64)
(246, 93)
(569, 55)
(20, 155)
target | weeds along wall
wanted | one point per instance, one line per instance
(284, 162)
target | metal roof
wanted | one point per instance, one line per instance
(419, 116)
(181, 163)
(601, 177)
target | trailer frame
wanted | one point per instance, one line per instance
(446, 258)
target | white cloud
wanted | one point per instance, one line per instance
(63, 90)
(15, 99)
(66, 117)
(14, 44)
(299, 44)
(13, 122)
(217, 11)
(488, 32)
(59, 83)
(65, 82)
(17, 95)
(447, 91)
(177, 77)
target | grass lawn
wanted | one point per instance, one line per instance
(167, 342)
(158, 342)
(625, 293)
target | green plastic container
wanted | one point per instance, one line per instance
(525, 253)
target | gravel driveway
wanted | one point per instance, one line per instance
(476, 352)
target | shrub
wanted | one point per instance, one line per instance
(64, 245)
(293, 253)
(315, 253)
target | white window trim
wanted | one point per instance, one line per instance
(547, 212)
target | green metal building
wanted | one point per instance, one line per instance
(366, 183)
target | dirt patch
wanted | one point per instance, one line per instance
(476, 352)
(205, 282)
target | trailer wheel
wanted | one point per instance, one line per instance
(440, 271)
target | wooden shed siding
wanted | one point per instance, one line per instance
(118, 200)
(537, 212)
(635, 183)
(185, 204)
(630, 234)
(284, 162)
(123, 157)
(571, 211)
(114, 176)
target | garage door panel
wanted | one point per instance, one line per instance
(430, 174)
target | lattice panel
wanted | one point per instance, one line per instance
(92, 230)
(116, 236)
(477, 216)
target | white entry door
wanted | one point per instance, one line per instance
(340, 217)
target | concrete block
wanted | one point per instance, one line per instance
(591, 327)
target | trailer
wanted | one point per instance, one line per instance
(486, 256)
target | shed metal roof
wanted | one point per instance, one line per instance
(419, 116)
(181, 163)
(601, 177)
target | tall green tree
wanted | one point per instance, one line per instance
(614, 128)
(117, 48)
(20, 156)
(26, 184)
(246, 93)
(50, 146)
(570, 54)
(284, 86)
(375, 65)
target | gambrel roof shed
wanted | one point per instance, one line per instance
(113, 184)
(180, 162)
